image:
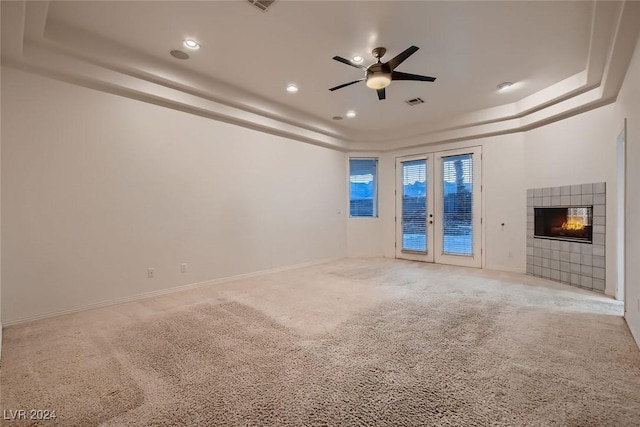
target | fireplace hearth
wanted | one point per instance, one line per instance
(573, 223)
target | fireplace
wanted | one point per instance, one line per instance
(575, 254)
(573, 223)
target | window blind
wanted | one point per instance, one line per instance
(363, 187)
(414, 206)
(458, 205)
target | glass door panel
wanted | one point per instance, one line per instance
(413, 206)
(457, 218)
(458, 229)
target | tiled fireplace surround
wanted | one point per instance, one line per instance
(575, 263)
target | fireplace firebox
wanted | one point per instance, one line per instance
(572, 223)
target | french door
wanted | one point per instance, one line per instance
(438, 207)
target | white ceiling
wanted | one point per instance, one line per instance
(552, 50)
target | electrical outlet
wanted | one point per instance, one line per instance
(183, 267)
(150, 273)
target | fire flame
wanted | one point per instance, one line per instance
(573, 224)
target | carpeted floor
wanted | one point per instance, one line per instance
(351, 342)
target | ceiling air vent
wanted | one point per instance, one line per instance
(263, 5)
(414, 101)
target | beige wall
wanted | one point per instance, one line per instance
(628, 106)
(97, 188)
(576, 150)
(505, 202)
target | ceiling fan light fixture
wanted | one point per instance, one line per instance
(191, 44)
(378, 80)
(379, 74)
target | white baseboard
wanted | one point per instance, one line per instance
(160, 292)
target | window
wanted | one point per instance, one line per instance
(363, 187)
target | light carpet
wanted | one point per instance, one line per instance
(351, 342)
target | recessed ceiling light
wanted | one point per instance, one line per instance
(291, 88)
(357, 59)
(191, 44)
(505, 85)
(351, 114)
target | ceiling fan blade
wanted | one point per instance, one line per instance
(346, 61)
(382, 94)
(345, 85)
(397, 60)
(396, 75)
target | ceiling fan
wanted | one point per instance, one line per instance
(380, 74)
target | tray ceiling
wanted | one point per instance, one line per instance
(554, 52)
